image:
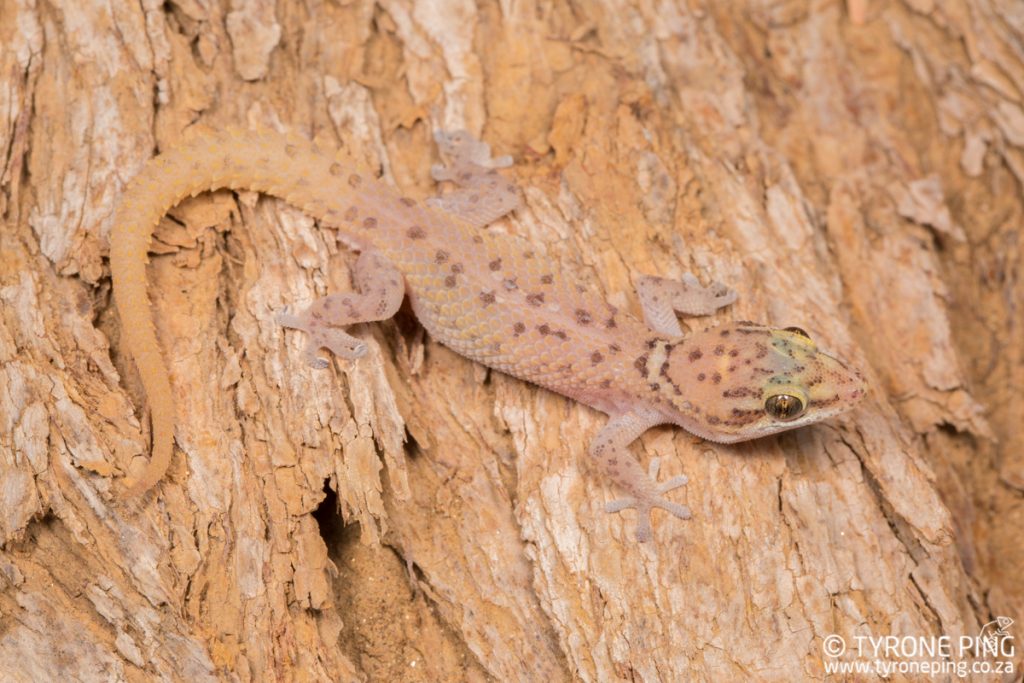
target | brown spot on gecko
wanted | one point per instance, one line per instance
(701, 377)
(370, 223)
(477, 239)
(596, 357)
(457, 268)
(606, 384)
(583, 317)
(719, 350)
(510, 284)
(561, 334)
(738, 412)
(416, 233)
(449, 282)
(535, 299)
(695, 355)
(351, 214)
(547, 279)
(544, 330)
(641, 365)
(518, 329)
(713, 419)
(724, 333)
(528, 254)
(407, 201)
(355, 180)
(716, 377)
(336, 169)
(734, 353)
(495, 264)
(823, 402)
(614, 348)
(441, 256)
(487, 298)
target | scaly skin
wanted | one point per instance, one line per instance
(492, 299)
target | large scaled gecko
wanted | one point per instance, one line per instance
(491, 298)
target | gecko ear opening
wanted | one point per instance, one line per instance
(784, 407)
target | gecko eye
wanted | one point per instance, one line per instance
(784, 407)
(798, 330)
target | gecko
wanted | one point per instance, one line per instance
(492, 298)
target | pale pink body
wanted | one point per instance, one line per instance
(492, 299)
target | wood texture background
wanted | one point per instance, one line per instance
(853, 168)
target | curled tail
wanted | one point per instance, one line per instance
(267, 162)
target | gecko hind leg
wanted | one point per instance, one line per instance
(661, 298)
(379, 292)
(483, 196)
(610, 450)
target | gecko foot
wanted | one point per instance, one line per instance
(482, 195)
(644, 504)
(337, 341)
(462, 151)
(661, 299)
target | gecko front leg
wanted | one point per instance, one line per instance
(483, 196)
(661, 299)
(379, 292)
(610, 449)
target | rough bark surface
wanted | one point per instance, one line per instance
(855, 169)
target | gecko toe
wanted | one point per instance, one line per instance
(673, 483)
(286, 319)
(620, 505)
(342, 345)
(316, 362)
(643, 533)
(680, 511)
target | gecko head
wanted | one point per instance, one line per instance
(743, 381)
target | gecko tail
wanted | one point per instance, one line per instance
(262, 161)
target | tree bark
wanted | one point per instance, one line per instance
(854, 169)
